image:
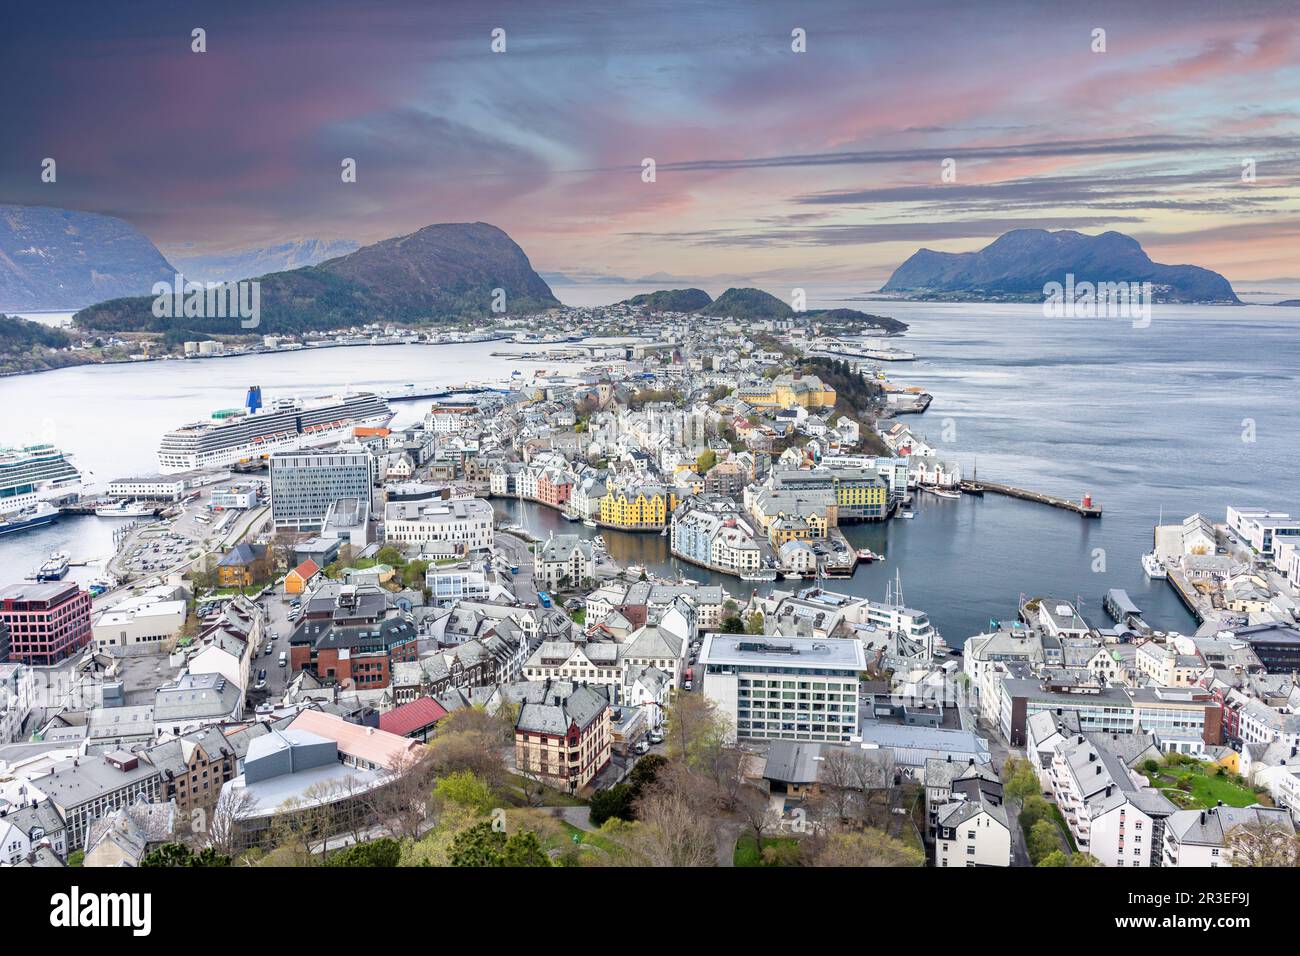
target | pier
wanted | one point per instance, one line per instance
(1085, 508)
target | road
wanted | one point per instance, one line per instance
(516, 554)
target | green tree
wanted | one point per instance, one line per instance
(615, 802)
(466, 789)
(1059, 858)
(390, 556)
(384, 852)
(705, 460)
(754, 624)
(1019, 780)
(178, 854)
(480, 845)
(523, 849)
(733, 625)
(1044, 838)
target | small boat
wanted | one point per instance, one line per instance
(1154, 567)
(589, 523)
(54, 569)
(866, 554)
(908, 514)
(763, 574)
(126, 509)
(664, 533)
(943, 492)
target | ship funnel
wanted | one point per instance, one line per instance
(254, 399)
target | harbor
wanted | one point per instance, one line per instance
(1085, 507)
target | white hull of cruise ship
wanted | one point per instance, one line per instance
(277, 429)
(34, 476)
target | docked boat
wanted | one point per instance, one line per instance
(1154, 567)
(867, 555)
(100, 585)
(36, 516)
(235, 435)
(35, 474)
(126, 509)
(55, 567)
(762, 574)
(942, 492)
(589, 523)
(907, 514)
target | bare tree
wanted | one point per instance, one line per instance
(403, 802)
(1263, 843)
(224, 820)
(866, 848)
(670, 832)
(755, 812)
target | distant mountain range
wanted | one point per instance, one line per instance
(57, 259)
(751, 304)
(443, 272)
(249, 263)
(1020, 263)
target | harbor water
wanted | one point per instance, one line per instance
(1193, 413)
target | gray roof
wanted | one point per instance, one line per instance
(557, 714)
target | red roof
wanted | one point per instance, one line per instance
(418, 714)
(307, 570)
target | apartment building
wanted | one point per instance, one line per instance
(565, 558)
(791, 688)
(564, 736)
(1204, 838)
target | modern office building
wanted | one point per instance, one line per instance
(304, 484)
(784, 688)
(47, 622)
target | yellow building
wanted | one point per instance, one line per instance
(643, 508)
(787, 391)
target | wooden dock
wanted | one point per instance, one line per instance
(1090, 510)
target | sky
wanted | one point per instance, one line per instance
(823, 166)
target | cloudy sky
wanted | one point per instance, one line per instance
(823, 166)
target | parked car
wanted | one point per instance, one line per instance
(642, 746)
(656, 737)
(284, 659)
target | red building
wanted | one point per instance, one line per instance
(554, 489)
(47, 622)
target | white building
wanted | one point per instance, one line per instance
(463, 522)
(563, 557)
(793, 688)
(147, 619)
(971, 829)
(1202, 838)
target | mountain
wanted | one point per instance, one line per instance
(443, 272)
(245, 263)
(58, 259)
(671, 300)
(1021, 262)
(748, 304)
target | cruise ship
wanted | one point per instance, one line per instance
(232, 436)
(34, 474)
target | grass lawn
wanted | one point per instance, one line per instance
(549, 797)
(1193, 786)
(587, 838)
(747, 852)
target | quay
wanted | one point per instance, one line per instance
(435, 391)
(1085, 508)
